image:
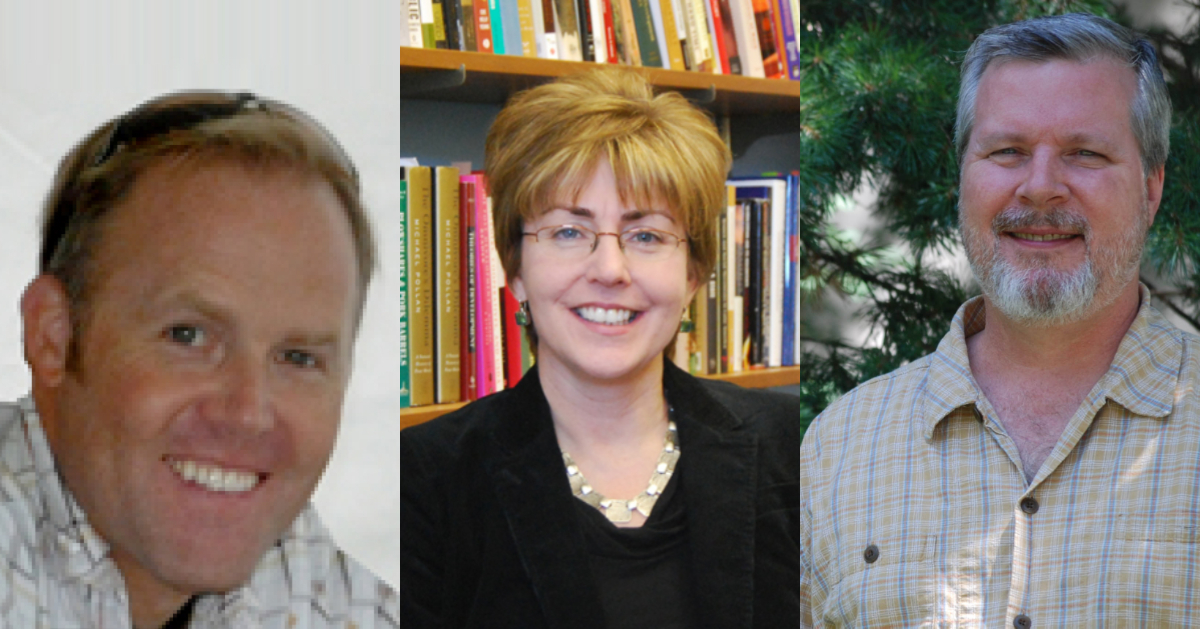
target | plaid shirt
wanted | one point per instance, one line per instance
(58, 574)
(916, 511)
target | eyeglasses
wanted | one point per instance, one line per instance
(180, 112)
(573, 242)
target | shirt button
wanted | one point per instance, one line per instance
(1029, 505)
(871, 553)
(1022, 622)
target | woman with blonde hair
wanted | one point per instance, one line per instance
(608, 488)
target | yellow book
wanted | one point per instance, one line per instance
(420, 251)
(447, 286)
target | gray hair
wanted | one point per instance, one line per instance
(1076, 37)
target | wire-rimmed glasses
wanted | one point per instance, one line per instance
(574, 242)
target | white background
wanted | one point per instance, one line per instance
(66, 67)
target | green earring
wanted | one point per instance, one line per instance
(522, 316)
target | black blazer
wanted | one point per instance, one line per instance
(489, 536)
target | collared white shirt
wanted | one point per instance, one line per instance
(57, 573)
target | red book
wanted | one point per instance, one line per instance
(512, 340)
(718, 35)
(610, 37)
(467, 273)
(483, 27)
(486, 380)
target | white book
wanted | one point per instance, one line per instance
(656, 17)
(746, 31)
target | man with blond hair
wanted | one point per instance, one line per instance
(204, 262)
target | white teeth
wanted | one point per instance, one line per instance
(605, 315)
(214, 478)
(1042, 237)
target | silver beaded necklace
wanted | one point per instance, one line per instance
(643, 503)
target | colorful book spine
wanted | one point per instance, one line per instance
(698, 37)
(647, 39)
(405, 375)
(428, 39)
(466, 197)
(745, 28)
(587, 30)
(722, 10)
(766, 18)
(420, 230)
(568, 30)
(672, 35)
(610, 35)
(525, 19)
(498, 282)
(485, 294)
(788, 40)
(712, 16)
(626, 34)
(416, 37)
(549, 31)
(512, 28)
(496, 19)
(660, 33)
(791, 268)
(483, 26)
(467, 17)
(447, 298)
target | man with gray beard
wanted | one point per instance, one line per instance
(1042, 467)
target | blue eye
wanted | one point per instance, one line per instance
(186, 335)
(300, 358)
(566, 232)
(645, 237)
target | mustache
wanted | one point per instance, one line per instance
(1016, 218)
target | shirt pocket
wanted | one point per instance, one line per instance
(1150, 573)
(883, 581)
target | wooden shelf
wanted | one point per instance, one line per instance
(754, 379)
(432, 74)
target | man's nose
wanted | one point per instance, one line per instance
(1044, 184)
(245, 408)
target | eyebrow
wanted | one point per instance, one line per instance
(1019, 138)
(631, 215)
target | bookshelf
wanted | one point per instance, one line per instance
(469, 88)
(452, 75)
(755, 378)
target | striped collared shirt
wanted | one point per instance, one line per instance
(57, 573)
(916, 511)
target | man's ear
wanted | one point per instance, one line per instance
(46, 315)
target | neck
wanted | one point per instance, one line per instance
(1086, 345)
(605, 414)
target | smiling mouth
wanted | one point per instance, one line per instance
(607, 316)
(1042, 237)
(213, 477)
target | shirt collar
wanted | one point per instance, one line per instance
(1143, 377)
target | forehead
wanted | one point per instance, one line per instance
(1059, 97)
(232, 228)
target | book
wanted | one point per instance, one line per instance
(420, 253)
(712, 16)
(525, 19)
(587, 35)
(496, 19)
(699, 48)
(467, 18)
(723, 21)
(439, 23)
(733, 298)
(402, 273)
(788, 38)
(767, 23)
(674, 37)
(775, 191)
(427, 25)
(483, 26)
(608, 33)
(722, 297)
(548, 44)
(466, 334)
(486, 322)
(647, 39)
(660, 33)
(569, 42)
(452, 13)
(513, 44)
(745, 29)
(791, 269)
(415, 32)
(626, 34)
(447, 296)
(699, 350)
